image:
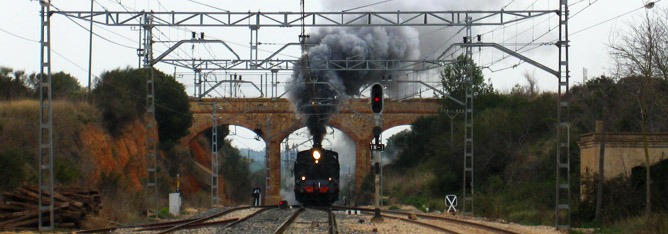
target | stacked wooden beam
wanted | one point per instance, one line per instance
(19, 209)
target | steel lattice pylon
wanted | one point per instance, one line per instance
(563, 194)
(151, 188)
(45, 147)
(215, 198)
(467, 190)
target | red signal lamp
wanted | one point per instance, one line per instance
(283, 204)
(377, 98)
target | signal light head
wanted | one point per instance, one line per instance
(377, 98)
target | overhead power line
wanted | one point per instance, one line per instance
(368, 5)
(608, 20)
(88, 30)
(207, 5)
(18, 36)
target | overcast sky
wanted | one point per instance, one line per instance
(589, 50)
(20, 32)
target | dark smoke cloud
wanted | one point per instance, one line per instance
(315, 102)
(432, 39)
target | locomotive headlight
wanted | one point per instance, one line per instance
(316, 155)
(303, 177)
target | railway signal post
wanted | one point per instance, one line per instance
(377, 147)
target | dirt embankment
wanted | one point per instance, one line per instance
(124, 154)
(84, 147)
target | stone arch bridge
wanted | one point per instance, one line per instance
(275, 119)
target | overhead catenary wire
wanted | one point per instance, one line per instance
(368, 5)
(610, 19)
(207, 5)
(553, 28)
(86, 70)
(511, 2)
(18, 36)
(88, 30)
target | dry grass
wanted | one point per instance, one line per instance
(19, 128)
(408, 184)
(657, 223)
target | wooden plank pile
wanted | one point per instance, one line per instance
(19, 209)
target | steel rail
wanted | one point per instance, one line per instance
(264, 208)
(446, 219)
(284, 226)
(333, 228)
(195, 225)
(457, 221)
(331, 218)
(203, 219)
(110, 229)
(446, 230)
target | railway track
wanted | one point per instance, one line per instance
(271, 219)
(311, 220)
(212, 222)
(458, 222)
(438, 223)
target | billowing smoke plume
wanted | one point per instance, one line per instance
(316, 94)
(432, 39)
(345, 146)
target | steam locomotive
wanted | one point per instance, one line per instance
(317, 176)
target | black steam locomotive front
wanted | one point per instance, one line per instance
(317, 176)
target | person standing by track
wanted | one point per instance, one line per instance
(256, 195)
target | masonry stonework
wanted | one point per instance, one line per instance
(275, 119)
(623, 152)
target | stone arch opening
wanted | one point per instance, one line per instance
(389, 155)
(386, 157)
(242, 164)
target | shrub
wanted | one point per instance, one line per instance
(121, 96)
(235, 171)
(164, 213)
(66, 171)
(11, 170)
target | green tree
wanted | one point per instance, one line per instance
(65, 86)
(172, 109)
(121, 96)
(12, 165)
(453, 77)
(13, 84)
(641, 52)
(235, 171)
